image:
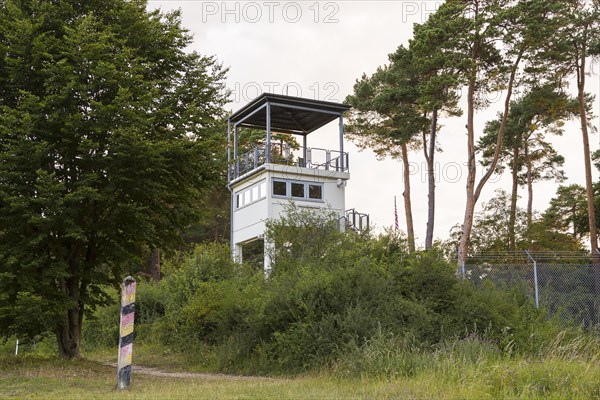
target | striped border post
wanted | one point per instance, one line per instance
(126, 332)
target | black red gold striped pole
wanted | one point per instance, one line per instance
(126, 332)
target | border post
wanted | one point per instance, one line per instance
(126, 332)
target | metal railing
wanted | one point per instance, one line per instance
(329, 160)
(354, 220)
(283, 154)
(565, 284)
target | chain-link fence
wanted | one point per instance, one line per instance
(565, 284)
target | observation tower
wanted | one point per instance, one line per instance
(268, 174)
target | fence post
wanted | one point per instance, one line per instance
(17, 348)
(126, 333)
(535, 279)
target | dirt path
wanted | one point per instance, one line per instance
(137, 369)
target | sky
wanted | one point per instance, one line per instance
(318, 49)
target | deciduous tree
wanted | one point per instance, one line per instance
(107, 138)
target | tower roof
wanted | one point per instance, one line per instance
(289, 114)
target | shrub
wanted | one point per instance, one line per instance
(101, 330)
(346, 301)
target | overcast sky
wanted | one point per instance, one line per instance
(318, 50)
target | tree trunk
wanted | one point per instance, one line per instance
(407, 204)
(473, 192)
(574, 220)
(529, 187)
(588, 177)
(155, 265)
(589, 189)
(430, 157)
(467, 226)
(512, 219)
(68, 330)
(68, 334)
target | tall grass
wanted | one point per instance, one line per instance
(384, 367)
(567, 366)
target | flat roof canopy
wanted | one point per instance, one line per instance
(289, 114)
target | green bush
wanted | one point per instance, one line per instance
(102, 329)
(158, 306)
(354, 303)
(41, 346)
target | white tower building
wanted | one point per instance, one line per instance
(266, 177)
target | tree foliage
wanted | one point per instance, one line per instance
(575, 45)
(386, 117)
(493, 234)
(568, 213)
(397, 108)
(385, 114)
(108, 135)
(527, 153)
(503, 41)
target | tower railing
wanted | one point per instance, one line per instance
(284, 154)
(355, 221)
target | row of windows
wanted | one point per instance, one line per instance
(251, 194)
(287, 189)
(298, 190)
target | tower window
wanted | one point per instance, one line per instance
(263, 189)
(315, 192)
(251, 194)
(298, 190)
(280, 188)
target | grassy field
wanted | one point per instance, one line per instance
(548, 378)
